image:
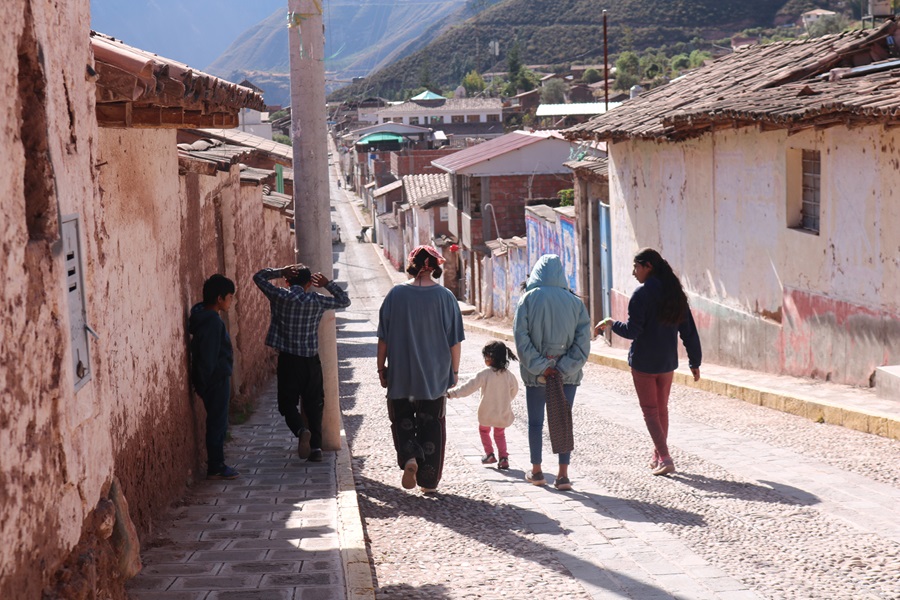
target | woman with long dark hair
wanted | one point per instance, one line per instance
(420, 331)
(658, 313)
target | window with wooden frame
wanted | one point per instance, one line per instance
(473, 119)
(804, 189)
(457, 119)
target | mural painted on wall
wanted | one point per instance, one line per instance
(550, 239)
(501, 292)
(567, 233)
(519, 268)
(533, 233)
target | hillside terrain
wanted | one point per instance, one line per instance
(400, 45)
(360, 38)
(555, 32)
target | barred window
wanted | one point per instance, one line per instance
(811, 205)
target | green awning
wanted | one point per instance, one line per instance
(374, 138)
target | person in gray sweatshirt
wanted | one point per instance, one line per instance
(212, 362)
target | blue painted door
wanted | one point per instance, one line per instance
(605, 257)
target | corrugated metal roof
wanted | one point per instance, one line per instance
(491, 149)
(776, 84)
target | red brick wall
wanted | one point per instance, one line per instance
(417, 162)
(508, 194)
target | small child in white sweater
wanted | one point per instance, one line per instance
(498, 388)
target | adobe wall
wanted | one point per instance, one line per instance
(133, 432)
(771, 297)
(55, 445)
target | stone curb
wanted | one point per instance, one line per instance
(815, 409)
(354, 556)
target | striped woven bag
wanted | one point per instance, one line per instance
(559, 416)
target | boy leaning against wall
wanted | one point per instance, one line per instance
(211, 366)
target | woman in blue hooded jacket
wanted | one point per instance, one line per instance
(552, 329)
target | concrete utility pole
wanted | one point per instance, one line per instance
(312, 202)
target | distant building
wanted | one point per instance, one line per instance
(811, 17)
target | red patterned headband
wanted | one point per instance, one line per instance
(430, 250)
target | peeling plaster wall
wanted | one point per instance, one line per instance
(148, 240)
(54, 443)
(141, 292)
(261, 238)
(766, 296)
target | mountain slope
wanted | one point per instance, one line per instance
(360, 37)
(560, 31)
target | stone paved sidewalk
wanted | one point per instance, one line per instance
(271, 534)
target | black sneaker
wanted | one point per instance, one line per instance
(303, 449)
(225, 473)
(315, 456)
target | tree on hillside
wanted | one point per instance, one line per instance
(425, 74)
(520, 78)
(654, 66)
(698, 57)
(680, 63)
(628, 70)
(554, 92)
(827, 25)
(473, 82)
(591, 76)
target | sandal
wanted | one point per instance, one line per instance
(666, 466)
(504, 463)
(488, 459)
(409, 474)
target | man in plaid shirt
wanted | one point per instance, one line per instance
(293, 331)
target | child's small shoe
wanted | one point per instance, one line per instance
(504, 463)
(488, 459)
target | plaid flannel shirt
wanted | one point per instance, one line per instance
(294, 327)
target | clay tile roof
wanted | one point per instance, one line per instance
(446, 106)
(837, 78)
(387, 188)
(591, 167)
(156, 85)
(249, 140)
(423, 189)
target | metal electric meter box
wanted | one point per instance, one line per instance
(880, 8)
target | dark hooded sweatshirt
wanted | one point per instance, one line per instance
(211, 354)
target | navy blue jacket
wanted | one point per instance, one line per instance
(211, 353)
(654, 346)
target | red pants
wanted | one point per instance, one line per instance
(653, 396)
(499, 437)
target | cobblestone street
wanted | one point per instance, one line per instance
(764, 505)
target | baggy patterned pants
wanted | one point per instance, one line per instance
(419, 428)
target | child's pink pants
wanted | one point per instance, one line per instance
(499, 437)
